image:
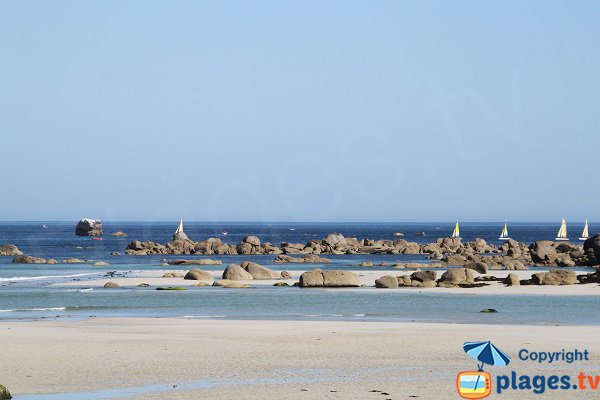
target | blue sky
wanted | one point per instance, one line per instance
(299, 111)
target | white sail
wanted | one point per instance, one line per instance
(562, 232)
(456, 233)
(586, 234)
(504, 233)
(180, 227)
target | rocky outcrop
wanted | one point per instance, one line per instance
(89, 227)
(119, 234)
(555, 277)
(73, 261)
(231, 284)
(200, 261)
(386, 282)
(101, 264)
(234, 272)
(111, 285)
(334, 278)
(477, 266)
(512, 280)
(258, 271)
(308, 258)
(10, 250)
(198, 275)
(456, 277)
(22, 259)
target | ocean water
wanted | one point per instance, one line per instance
(26, 291)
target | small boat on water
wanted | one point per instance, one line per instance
(504, 233)
(562, 232)
(456, 232)
(224, 233)
(44, 226)
(399, 234)
(97, 238)
(586, 234)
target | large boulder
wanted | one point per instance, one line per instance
(559, 277)
(335, 240)
(4, 393)
(338, 278)
(200, 261)
(111, 285)
(457, 276)
(540, 249)
(10, 250)
(198, 275)
(313, 278)
(28, 260)
(259, 272)
(252, 240)
(592, 245)
(422, 276)
(387, 282)
(512, 280)
(89, 227)
(480, 267)
(234, 272)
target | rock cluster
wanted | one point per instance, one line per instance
(248, 270)
(10, 250)
(89, 227)
(333, 278)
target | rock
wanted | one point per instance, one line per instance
(592, 245)
(234, 272)
(335, 240)
(309, 258)
(285, 275)
(313, 278)
(404, 280)
(164, 264)
(559, 277)
(200, 261)
(512, 280)
(143, 285)
(171, 288)
(336, 278)
(198, 275)
(539, 249)
(89, 227)
(119, 234)
(4, 393)
(457, 276)
(480, 267)
(423, 276)
(101, 264)
(201, 284)
(386, 282)
(455, 260)
(111, 285)
(489, 310)
(280, 284)
(258, 271)
(253, 240)
(10, 250)
(73, 261)
(28, 260)
(52, 261)
(173, 275)
(536, 279)
(115, 253)
(230, 284)
(366, 264)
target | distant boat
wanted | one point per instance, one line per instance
(44, 226)
(292, 229)
(456, 233)
(399, 234)
(179, 233)
(585, 235)
(224, 233)
(562, 232)
(97, 238)
(504, 233)
(180, 227)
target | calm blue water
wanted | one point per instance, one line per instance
(26, 291)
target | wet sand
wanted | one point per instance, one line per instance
(168, 358)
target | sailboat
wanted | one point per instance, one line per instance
(179, 233)
(585, 235)
(180, 227)
(504, 233)
(562, 232)
(456, 233)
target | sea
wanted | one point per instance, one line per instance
(30, 291)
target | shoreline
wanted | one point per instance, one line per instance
(164, 358)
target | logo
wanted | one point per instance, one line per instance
(478, 384)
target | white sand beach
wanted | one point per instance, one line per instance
(219, 359)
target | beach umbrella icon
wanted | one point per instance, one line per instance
(487, 353)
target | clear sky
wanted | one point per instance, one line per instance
(307, 111)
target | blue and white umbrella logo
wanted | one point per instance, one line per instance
(487, 353)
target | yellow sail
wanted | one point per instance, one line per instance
(586, 233)
(456, 232)
(504, 233)
(562, 232)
